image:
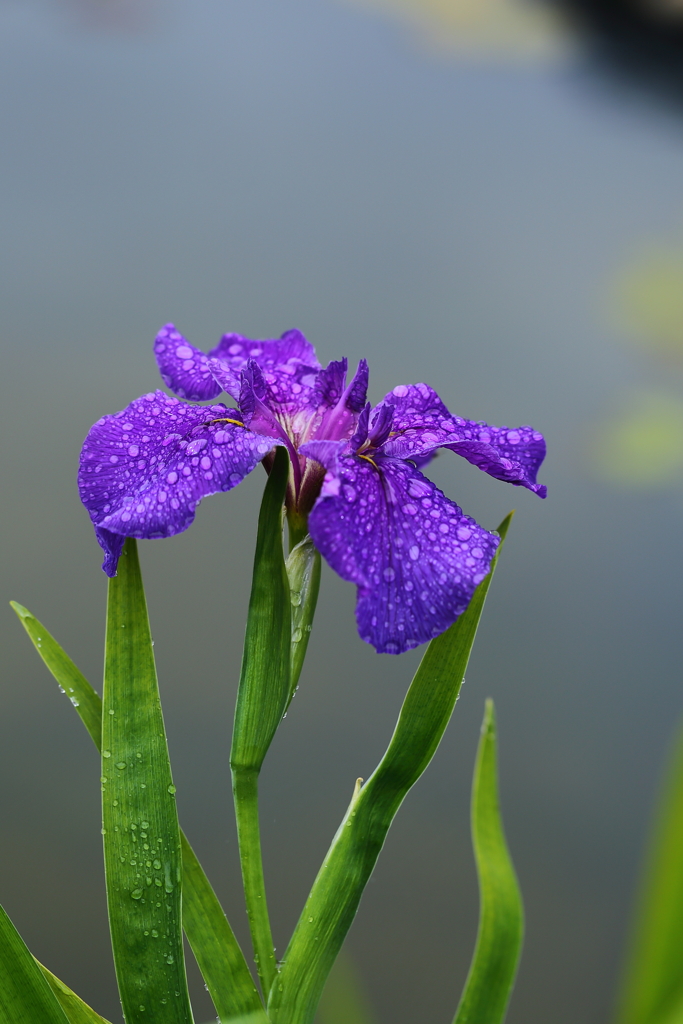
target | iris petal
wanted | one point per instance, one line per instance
(144, 470)
(414, 556)
(184, 369)
(422, 423)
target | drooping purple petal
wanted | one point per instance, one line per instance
(415, 558)
(289, 366)
(184, 369)
(422, 423)
(512, 454)
(112, 545)
(144, 470)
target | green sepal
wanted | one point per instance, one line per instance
(501, 916)
(25, 994)
(652, 986)
(336, 892)
(142, 855)
(77, 1011)
(303, 572)
(213, 942)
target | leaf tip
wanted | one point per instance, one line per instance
(22, 612)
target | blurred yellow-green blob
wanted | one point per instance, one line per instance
(517, 28)
(650, 302)
(642, 445)
(343, 1000)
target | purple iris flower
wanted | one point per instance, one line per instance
(354, 478)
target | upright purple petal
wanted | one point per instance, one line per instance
(144, 470)
(289, 366)
(357, 391)
(184, 369)
(415, 558)
(361, 434)
(228, 379)
(331, 382)
(381, 425)
(292, 346)
(338, 420)
(422, 423)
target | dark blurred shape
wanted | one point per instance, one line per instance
(639, 40)
(129, 16)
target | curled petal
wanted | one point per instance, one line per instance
(513, 455)
(415, 558)
(184, 369)
(422, 423)
(289, 366)
(144, 470)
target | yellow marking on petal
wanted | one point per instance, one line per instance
(225, 419)
(368, 459)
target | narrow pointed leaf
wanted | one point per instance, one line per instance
(501, 917)
(213, 942)
(70, 678)
(76, 1010)
(25, 995)
(142, 856)
(336, 892)
(652, 988)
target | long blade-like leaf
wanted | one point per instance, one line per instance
(501, 917)
(25, 995)
(652, 988)
(75, 1009)
(336, 892)
(142, 856)
(213, 942)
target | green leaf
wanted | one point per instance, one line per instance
(343, 1000)
(262, 698)
(303, 572)
(501, 917)
(142, 855)
(76, 1010)
(216, 949)
(25, 995)
(71, 679)
(213, 943)
(336, 892)
(652, 986)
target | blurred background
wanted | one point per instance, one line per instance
(486, 196)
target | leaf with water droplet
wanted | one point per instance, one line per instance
(209, 933)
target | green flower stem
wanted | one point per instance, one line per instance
(245, 792)
(262, 699)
